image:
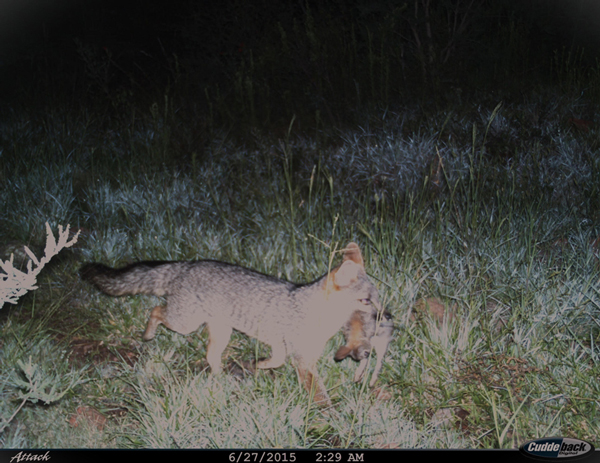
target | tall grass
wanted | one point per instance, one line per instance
(477, 213)
(506, 245)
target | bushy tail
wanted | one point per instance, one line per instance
(140, 278)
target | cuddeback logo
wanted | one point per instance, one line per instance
(550, 448)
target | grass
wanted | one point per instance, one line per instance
(506, 246)
(476, 209)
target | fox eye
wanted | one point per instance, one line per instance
(365, 301)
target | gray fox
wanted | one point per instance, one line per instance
(294, 319)
(363, 331)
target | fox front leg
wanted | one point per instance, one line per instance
(312, 383)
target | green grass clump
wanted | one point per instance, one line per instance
(487, 214)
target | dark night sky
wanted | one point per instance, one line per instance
(37, 36)
(27, 23)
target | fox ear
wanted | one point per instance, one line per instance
(346, 274)
(352, 252)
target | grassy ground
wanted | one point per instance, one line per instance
(479, 226)
(464, 163)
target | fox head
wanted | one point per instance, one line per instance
(350, 282)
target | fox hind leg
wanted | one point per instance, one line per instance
(219, 335)
(157, 317)
(160, 316)
(278, 356)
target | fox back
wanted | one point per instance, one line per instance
(293, 319)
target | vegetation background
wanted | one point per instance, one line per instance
(455, 140)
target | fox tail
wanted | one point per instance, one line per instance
(141, 278)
